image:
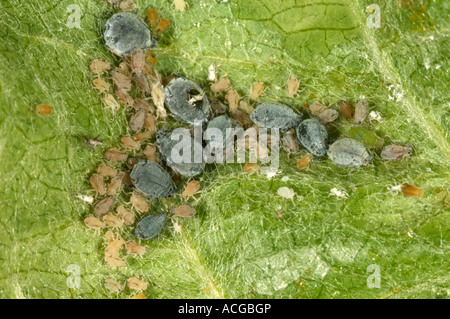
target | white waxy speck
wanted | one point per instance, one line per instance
(285, 178)
(286, 192)
(375, 116)
(87, 199)
(396, 188)
(340, 194)
(212, 73)
(271, 174)
(431, 37)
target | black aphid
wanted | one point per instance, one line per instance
(313, 136)
(126, 32)
(348, 152)
(173, 152)
(275, 115)
(151, 179)
(187, 101)
(150, 226)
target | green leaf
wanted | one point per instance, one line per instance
(235, 246)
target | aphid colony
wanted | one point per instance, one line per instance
(148, 171)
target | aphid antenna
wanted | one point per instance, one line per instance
(288, 103)
(363, 141)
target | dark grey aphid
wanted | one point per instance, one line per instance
(349, 153)
(222, 123)
(151, 179)
(313, 136)
(193, 163)
(125, 32)
(150, 226)
(187, 101)
(275, 115)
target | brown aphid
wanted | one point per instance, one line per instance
(158, 99)
(304, 161)
(134, 249)
(292, 87)
(44, 109)
(150, 153)
(218, 107)
(395, 152)
(289, 143)
(327, 116)
(162, 26)
(221, 85)
(124, 69)
(124, 97)
(317, 108)
(121, 81)
(113, 285)
(233, 100)
(191, 188)
(111, 102)
(97, 184)
(151, 58)
(106, 171)
(115, 186)
(346, 110)
(180, 5)
(110, 236)
(103, 206)
(142, 83)
(183, 211)
(136, 284)
(99, 66)
(112, 221)
(257, 90)
(115, 155)
(127, 6)
(94, 223)
(152, 16)
(139, 203)
(361, 111)
(143, 105)
(126, 179)
(150, 123)
(252, 168)
(127, 216)
(412, 191)
(243, 118)
(115, 261)
(101, 84)
(137, 121)
(130, 143)
(137, 60)
(115, 242)
(143, 136)
(245, 107)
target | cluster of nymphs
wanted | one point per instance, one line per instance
(150, 170)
